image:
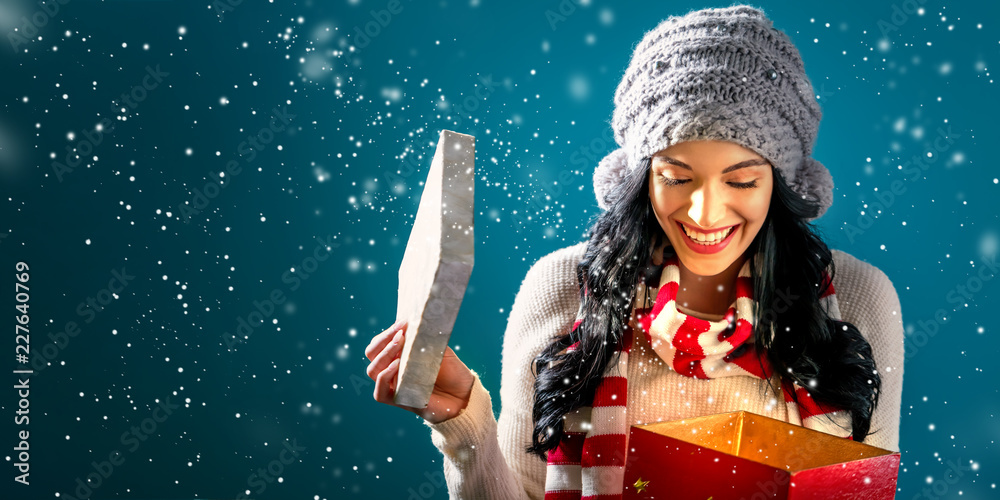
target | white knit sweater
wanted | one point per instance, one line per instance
(484, 457)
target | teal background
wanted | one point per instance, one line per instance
(535, 87)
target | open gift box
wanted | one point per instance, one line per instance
(742, 455)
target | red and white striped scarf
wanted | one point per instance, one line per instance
(589, 462)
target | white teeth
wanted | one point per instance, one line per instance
(710, 239)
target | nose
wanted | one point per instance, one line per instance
(707, 207)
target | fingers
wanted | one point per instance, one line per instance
(379, 341)
(391, 349)
(385, 383)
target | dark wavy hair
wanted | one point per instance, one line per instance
(807, 345)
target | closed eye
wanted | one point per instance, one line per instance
(744, 185)
(667, 181)
(673, 182)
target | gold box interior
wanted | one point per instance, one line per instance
(765, 440)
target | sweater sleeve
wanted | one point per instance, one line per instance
(485, 457)
(869, 301)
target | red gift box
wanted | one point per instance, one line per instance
(745, 456)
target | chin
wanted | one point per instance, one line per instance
(702, 266)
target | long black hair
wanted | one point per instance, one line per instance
(830, 358)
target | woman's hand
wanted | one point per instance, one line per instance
(451, 389)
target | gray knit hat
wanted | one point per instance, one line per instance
(718, 74)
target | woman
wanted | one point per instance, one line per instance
(702, 288)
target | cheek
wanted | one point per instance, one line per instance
(664, 206)
(755, 210)
(657, 200)
(660, 212)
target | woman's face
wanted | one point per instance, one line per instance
(719, 192)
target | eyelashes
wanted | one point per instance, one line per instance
(677, 182)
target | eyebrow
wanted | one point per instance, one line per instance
(753, 162)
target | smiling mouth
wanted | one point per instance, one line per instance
(707, 239)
